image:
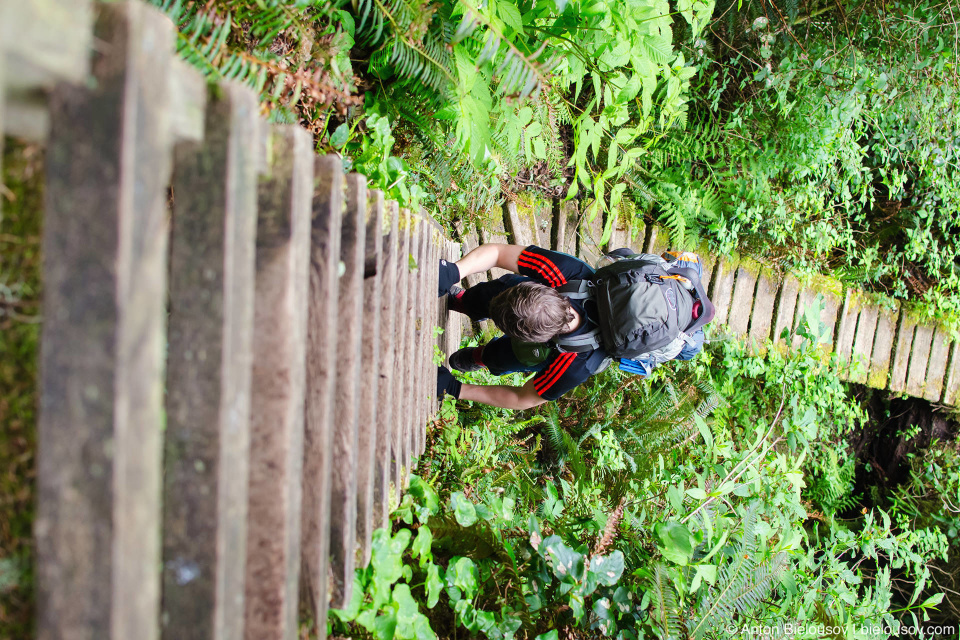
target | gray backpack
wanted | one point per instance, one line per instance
(645, 306)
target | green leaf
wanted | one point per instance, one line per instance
(463, 509)
(704, 430)
(608, 568)
(567, 563)
(434, 585)
(385, 626)
(422, 544)
(407, 609)
(340, 136)
(549, 635)
(425, 497)
(706, 572)
(677, 542)
(462, 574)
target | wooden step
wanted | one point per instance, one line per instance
(657, 240)
(343, 496)
(741, 303)
(919, 359)
(209, 359)
(372, 415)
(761, 319)
(847, 329)
(786, 307)
(322, 371)
(565, 228)
(721, 289)
(879, 370)
(389, 378)
(863, 343)
(589, 232)
(519, 225)
(951, 385)
(937, 365)
(400, 401)
(902, 348)
(491, 229)
(277, 398)
(101, 359)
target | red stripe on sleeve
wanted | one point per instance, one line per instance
(546, 262)
(554, 372)
(543, 272)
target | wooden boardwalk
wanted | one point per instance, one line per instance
(238, 341)
(876, 342)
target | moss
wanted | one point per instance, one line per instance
(20, 272)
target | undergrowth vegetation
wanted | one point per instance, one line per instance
(714, 497)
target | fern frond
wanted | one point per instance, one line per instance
(663, 604)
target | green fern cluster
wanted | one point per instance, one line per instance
(745, 580)
(833, 487)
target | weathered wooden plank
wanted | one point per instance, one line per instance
(343, 497)
(937, 365)
(47, 41)
(741, 305)
(657, 241)
(721, 289)
(951, 386)
(370, 415)
(544, 213)
(414, 351)
(828, 290)
(105, 276)
(277, 399)
(847, 328)
(389, 379)
(322, 371)
(919, 359)
(902, 348)
(589, 232)
(761, 319)
(208, 372)
(619, 233)
(786, 307)
(883, 342)
(400, 404)
(519, 225)
(188, 98)
(27, 116)
(491, 229)
(863, 343)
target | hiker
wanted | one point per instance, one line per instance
(550, 313)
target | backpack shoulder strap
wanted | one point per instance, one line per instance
(586, 341)
(576, 290)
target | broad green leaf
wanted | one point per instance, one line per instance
(463, 575)
(677, 542)
(463, 509)
(421, 545)
(704, 430)
(385, 626)
(407, 608)
(608, 568)
(340, 136)
(425, 496)
(706, 572)
(549, 635)
(434, 585)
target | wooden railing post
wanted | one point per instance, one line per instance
(400, 404)
(101, 360)
(386, 388)
(321, 365)
(371, 415)
(208, 373)
(343, 499)
(276, 412)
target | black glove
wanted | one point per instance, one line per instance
(447, 383)
(449, 276)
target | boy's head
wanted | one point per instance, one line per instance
(531, 312)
